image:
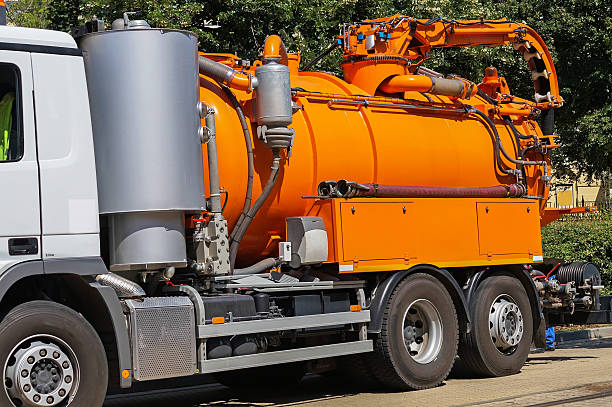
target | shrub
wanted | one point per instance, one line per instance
(582, 239)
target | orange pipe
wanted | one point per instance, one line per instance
(240, 81)
(423, 83)
(224, 74)
(274, 50)
(406, 83)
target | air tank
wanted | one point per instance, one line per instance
(337, 136)
(143, 93)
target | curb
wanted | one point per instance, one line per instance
(592, 334)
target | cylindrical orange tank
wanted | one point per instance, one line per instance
(338, 137)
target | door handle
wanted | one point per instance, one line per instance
(23, 246)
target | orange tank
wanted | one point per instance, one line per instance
(344, 132)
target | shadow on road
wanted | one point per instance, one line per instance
(312, 388)
(204, 392)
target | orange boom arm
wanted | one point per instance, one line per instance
(402, 38)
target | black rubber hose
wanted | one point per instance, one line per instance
(242, 228)
(501, 147)
(260, 266)
(548, 121)
(248, 198)
(496, 140)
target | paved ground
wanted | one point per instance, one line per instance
(577, 375)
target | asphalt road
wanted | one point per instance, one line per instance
(577, 375)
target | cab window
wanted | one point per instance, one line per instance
(11, 134)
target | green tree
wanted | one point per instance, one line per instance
(63, 15)
(28, 13)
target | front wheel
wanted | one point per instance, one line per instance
(417, 346)
(502, 328)
(50, 356)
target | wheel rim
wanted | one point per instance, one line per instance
(41, 371)
(422, 331)
(505, 324)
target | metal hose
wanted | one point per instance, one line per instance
(123, 287)
(224, 74)
(244, 225)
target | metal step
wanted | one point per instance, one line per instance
(281, 324)
(284, 356)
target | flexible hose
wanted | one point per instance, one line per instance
(242, 228)
(501, 146)
(497, 141)
(346, 189)
(260, 266)
(123, 287)
(226, 75)
(248, 198)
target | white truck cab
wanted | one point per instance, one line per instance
(49, 205)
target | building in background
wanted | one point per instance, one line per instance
(566, 193)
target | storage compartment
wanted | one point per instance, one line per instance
(370, 230)
(508, 228)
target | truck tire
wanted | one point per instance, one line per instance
(51, 356)
(502, 328)
(417, 346)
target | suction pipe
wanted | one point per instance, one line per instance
(423, 83)
(226, 75)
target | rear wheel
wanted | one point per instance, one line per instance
(50, 356)
(502, 328)
(418, 342)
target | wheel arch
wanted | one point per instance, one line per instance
(71, 282)
(383, 292)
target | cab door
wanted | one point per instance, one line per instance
(20, 229)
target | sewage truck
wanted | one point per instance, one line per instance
(167, 213)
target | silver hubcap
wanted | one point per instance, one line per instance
(505, 323)
(422, 331)
(41, 371)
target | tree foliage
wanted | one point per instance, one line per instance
(578, 33)
(28, 13)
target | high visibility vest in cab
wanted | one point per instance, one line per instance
(6, 121)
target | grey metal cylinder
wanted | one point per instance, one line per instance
(273, 95)
(143, 94)
(147, 241)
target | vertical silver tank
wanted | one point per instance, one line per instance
(143, 93)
